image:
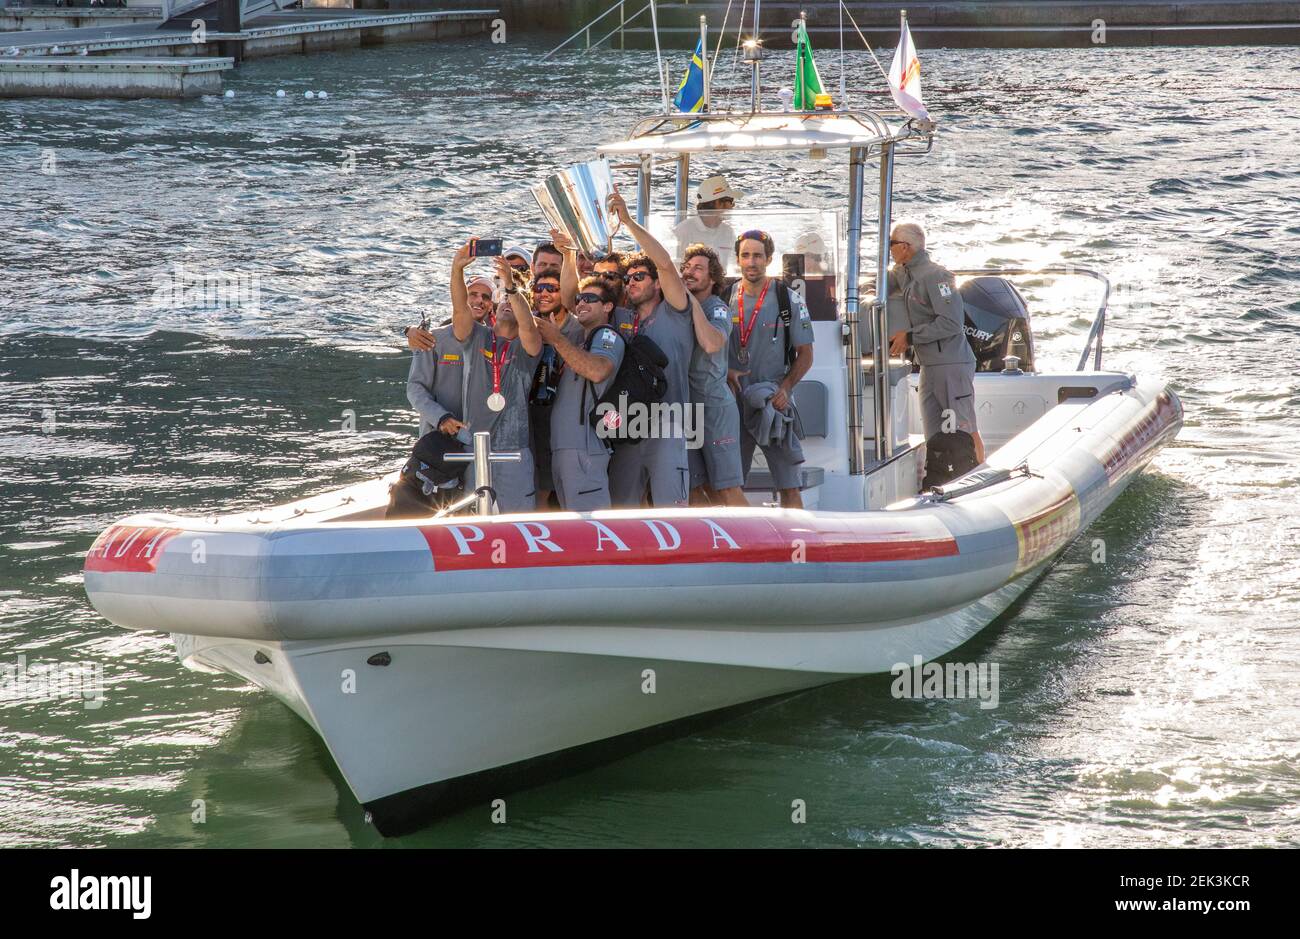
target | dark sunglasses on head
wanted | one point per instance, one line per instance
(756, 234)
(546, 288)
(638, 277)
(590, 298)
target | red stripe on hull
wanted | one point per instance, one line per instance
(483, 545)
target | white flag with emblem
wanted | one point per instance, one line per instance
(905, 77)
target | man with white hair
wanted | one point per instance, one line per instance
(708, 226)
(937, 331)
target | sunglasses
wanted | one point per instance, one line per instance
(546, 288)
(756, 235)
(520, 267)
(637, 277)
(609, 275)
(591, 298)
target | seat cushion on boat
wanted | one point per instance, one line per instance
(812, 401)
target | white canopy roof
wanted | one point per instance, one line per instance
(796, 131)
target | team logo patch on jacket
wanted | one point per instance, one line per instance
(450, 358)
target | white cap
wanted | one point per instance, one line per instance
(518, 252)
(715, 187)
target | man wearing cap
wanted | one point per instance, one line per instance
(500, 363)
(423, 338)
(436, 381)
(592, 353)
(662, 311)
(713, 199)
(937, 332)
(764, 349)
(519, 258)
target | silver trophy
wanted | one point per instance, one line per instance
(574, 199)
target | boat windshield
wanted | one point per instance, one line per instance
(808, 248)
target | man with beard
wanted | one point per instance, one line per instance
(716, 475)
(772, 347)
(501, 360)
(547, 306)
(661, 310)
(591, 356)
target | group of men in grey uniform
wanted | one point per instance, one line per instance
(735, 354)
(475, 373)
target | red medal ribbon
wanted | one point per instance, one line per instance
(747, 328)
(497, 366)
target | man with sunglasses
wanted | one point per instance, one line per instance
(547, 306)
(610, 268)
(501, 361)
(716, 473)
(766, 349)
(592, 355)
(708, 226)
(937, 334)
(661, 310)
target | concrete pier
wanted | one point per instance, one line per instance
(15, 16)
(168, 63)
(111, 77)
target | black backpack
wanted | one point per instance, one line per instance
(783, 312)
(640, 379)
(948, 456)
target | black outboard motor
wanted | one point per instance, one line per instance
(997, 323)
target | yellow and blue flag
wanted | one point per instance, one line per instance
(690, 93)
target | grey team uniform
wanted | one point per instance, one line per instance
(716, 462)
(937, 331)
(660, 460)
(767, 363)
(515, 483)
(435, 385)
(579, 458)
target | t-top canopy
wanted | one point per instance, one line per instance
(745, 131)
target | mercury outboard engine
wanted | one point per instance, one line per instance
(997, 323)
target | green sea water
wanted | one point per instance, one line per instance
(1144, 701)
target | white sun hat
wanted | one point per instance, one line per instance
(715, 187)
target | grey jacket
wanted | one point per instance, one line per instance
(767, 425)
(935, 314)
(436, 388)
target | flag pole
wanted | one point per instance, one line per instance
(704, 58)
(659, 61)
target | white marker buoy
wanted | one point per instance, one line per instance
(322, 94)
(230, 93)
(308, 94)
(280, 93)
